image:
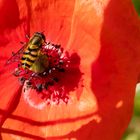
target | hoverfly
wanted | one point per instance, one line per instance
(30, 54)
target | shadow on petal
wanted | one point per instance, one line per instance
(113, 73)
(71, 79)
(47, 123)
(74, 134)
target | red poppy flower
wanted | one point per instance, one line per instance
(102, 39)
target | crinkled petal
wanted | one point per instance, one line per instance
(10, 91)
(105, 35)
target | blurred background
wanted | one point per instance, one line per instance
(133, 130)
(137, 6)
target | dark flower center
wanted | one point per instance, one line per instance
(44, 74)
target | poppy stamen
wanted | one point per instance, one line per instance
(44, 75)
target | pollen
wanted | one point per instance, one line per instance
(46, 73)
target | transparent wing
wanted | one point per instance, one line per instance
(16, 56)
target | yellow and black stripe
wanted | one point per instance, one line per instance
(29, 56)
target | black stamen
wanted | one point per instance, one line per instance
(39, 87)
(28, 83)
(61, 69)
(61, 62)
(55, 79)
(50, 83)
(57, 46)
(21, 80)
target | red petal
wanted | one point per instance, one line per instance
(105, 34)
(9, 94)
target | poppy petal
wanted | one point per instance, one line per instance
(9, 94)
(109, 66)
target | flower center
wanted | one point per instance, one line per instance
(45, 72)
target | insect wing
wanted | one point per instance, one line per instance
(15, 56)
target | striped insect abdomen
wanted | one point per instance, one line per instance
(29, 56)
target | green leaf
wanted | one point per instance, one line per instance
(137, 6)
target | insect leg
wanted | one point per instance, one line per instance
(22, 43)
(27, 36)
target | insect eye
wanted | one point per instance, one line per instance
(43, 36)
(36, 41)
